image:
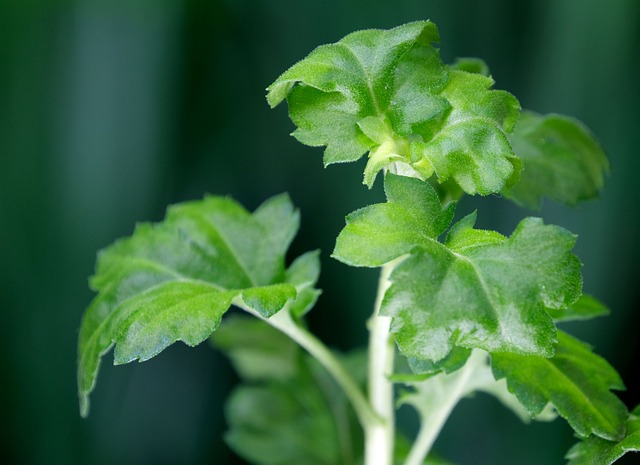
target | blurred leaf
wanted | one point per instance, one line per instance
(173, 281)
(597, 451)
(562, 161)
(298, 415)
(575, 381)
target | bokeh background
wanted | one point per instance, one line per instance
(111, 109)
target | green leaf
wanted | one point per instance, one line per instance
(452, 362)
(387, 92)
(403, 447)
(257, 351)
(585, 308)
(482, 290)
(379, 233)
(598, 451)
(575, 381)
(174, 280)
(562, 160)
(303, 274)
(290, 410)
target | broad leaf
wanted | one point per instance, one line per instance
(173, 281)
(575, 381)
(482, 290)
(388, 93)
(377, 234)
(598, 451)
(562, 160)
(289, 410)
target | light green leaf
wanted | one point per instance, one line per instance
(598, 451)
(472, 65)
(377, 234)
(303, 274)
(174, 280)
(289, 410)
(387, 92)
(562, 160)
(575, 381)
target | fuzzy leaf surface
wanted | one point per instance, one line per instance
(575, 381)
(387, 92)
(377, 234)
(482, 290)
(173, 281)
(295, 415)
(598, 451)
(563, 161)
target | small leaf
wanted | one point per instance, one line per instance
(575, 381)
(387, 92)
(597, 451)
(562, 160)
(303, 273)
(173, 281)
(377, 234)
(481, 290)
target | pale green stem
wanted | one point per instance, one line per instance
(379, 436)
(433, 419)
(282, 321)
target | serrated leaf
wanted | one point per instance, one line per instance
(481, 290)
(598, 451)
(379, 233)
(174, 280)
(562, 159)
(388, 93)
(291, 415)
(575, 381)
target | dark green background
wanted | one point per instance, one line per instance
(109, 110)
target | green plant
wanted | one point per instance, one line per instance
(475, 311)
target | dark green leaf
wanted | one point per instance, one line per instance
(173, 281)
(379, 233)
(575, 381)
(388, 93)
(598, 451)
(482, 290)
(562, 160)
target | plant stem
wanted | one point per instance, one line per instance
(379, 436)
(434, 414)
(282, 321)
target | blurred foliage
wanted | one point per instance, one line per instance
(109, 110)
